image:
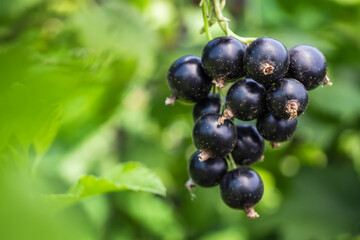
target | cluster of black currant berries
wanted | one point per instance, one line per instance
(270, 85)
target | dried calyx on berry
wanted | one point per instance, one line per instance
(275, 129)
(245, 100)
(308, 65)
(207, 173)
(287, 99)
(222, 59)
(212, 139)
(266, 61)
(242, 188)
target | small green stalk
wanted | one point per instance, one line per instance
(205, 14)
(223, 22)
(232, 162)
(221, 100)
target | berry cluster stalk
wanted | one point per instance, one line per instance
(205, 8)
(212, 12)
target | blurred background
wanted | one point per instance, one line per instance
(82, 90)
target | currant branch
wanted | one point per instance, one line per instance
(205, 12)
(216, 6)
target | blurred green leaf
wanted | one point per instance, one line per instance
(340, 100)
(11, 9)
(130, 176)
(320, 204)
(160, 218)
(116, 27)
(232, 233)
(46, 135)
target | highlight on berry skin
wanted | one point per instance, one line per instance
(188, 80)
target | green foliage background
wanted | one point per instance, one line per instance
(89, 151)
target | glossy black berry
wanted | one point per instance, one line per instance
(308, 65)
(222, 58)
(287, 99)
(249, 146)
(187, 79)
(210, 104)
(207, 173)
(266, 60)
(242, 188)
(212, 139)
(246, 99)
(275, 129)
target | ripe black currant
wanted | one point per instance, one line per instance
(208, 173)
(266, 60)
(212, 139)
(287, 98)
(222, 59)
(245, 100)
(210, 104)
(275, 129)
(308, 65)
(188, 80)
(242, 188)
(249, 146)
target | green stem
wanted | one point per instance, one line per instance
(233, 164)
(205, 18)
(213, 90)
(223, 22)
(221, 100)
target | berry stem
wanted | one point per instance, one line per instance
(222, 102)
(232, 162)
(204, 5)
(223, 22)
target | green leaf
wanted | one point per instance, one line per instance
(47, 133)
(10, 9)
(340, 101)
(116, 27)
(160, 219)
(130, 176)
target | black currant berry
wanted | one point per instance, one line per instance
(208, 173)
(242, 188)
(245, 100)
(308, 65)
(266, 60)
(287, 99)
(188, 80)
(275, 129)
(222, 59)
(249, 146)
(210, 104)
(212, 139)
